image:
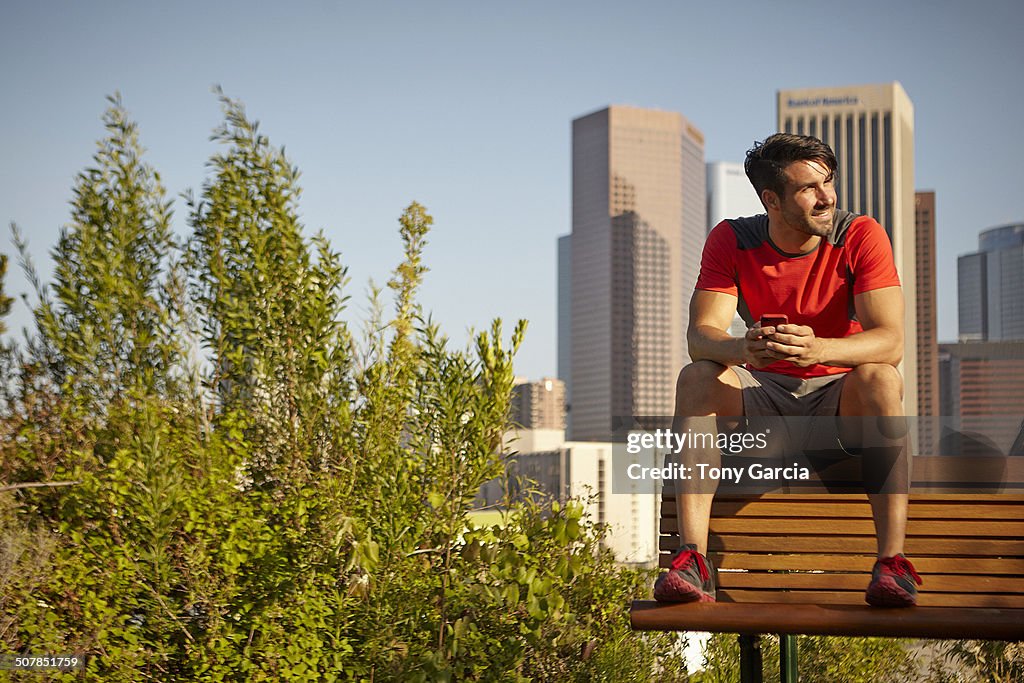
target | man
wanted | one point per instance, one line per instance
(832, 274)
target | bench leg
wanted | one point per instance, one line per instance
(750, 659)
(787, 659)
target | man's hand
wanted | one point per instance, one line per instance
(755, 347)
(794, 344)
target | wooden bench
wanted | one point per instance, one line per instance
(798, 563)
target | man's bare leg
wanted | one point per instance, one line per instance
(705, 390)
(876, 390)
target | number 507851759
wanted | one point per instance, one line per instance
(33, 662)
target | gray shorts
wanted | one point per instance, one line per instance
(772, 394)
(801, 414)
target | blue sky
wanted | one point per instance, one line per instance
(466, 107)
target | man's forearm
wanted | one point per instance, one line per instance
(879, 345)
(710, 343)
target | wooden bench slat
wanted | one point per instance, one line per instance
(860, 545)
(934, 583)
(971, 498)
(807, 597)
(1010, 471)
(965, 489)
(811, 597)
(924, 565)
(855, 527)
(951, 487)
(949, 510)
(918, 622)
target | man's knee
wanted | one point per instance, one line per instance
(706, 387)
(701, 373)
(880, 379)
(872, 389)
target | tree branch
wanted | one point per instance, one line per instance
(37, 485)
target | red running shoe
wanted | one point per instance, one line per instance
(892, 583)
(689, 579)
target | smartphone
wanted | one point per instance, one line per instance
(774, 319)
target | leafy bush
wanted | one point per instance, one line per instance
(253, 495)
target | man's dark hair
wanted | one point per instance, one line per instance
(767, 161)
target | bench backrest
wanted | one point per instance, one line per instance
(819, 548)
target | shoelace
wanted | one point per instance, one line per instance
(685, 558)
(901, 566)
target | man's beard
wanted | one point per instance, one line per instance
(808, 224)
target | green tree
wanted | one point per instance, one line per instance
(7, 351)
(108, 326)
(270, 313)
(269, 303)
(5, 301)
(106, 335)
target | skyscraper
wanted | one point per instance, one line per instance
(982, 377)
(564, 315)
(730, 195)
(539, 405)
(638, 226)
(871, 130)
(927, 334)
(989, 286)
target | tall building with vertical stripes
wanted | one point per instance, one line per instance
(564, 316)
(871, 130)
(638, 227)
(927, 325)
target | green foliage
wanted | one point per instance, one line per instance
(5, 301)
(8, 356)
(270, 313)
(987, 661)
(821, 658)
(299, 510)
(108, 328)
(25, 555)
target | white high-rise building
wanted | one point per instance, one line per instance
(730, 195)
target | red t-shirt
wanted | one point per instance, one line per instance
(814, 289)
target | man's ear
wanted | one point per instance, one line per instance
(770, 199)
